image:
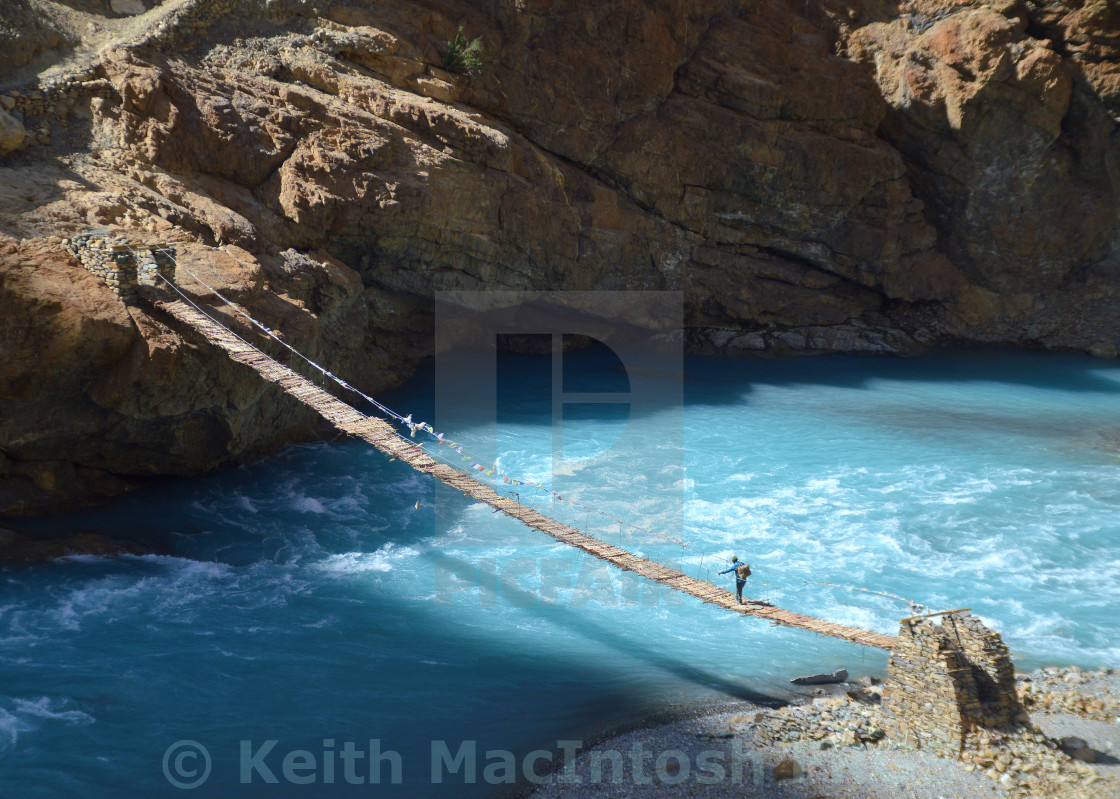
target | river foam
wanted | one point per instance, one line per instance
(327, 593)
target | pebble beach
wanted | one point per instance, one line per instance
(832, 744)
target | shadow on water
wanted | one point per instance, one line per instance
(525, 382)
(527, 602)
(214, 521)
(524, 395)
(232, 506)
(1034, 369)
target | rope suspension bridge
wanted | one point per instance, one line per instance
(378, 432)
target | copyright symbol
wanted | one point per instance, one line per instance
(186, 764)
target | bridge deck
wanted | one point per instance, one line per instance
(386, 439)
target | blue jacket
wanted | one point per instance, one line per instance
(733, 567)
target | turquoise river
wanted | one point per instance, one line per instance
(301, 607)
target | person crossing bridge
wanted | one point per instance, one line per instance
(742, 572)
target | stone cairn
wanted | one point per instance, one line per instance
(951, 689)
(945, 681)
(123, 263)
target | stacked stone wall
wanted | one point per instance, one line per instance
(123, 263)
(946, 680)
(37, 106)
(993, 671)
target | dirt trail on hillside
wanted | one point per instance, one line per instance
(85, 28)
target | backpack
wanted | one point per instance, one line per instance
(743, 572)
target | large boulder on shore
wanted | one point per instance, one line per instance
(12, 133)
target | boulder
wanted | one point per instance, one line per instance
(20, 548)
(1078, 749)
(12, 133)
(822, 679)
(1105, 349)
(788, 770)
(127, 8)
(1085, 755)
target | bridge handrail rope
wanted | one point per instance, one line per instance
(381, 434)
(272, 334)
(466, 455)
(239, 338)
(406, 420)
(712, 575)
(211, 317)
(202, 310)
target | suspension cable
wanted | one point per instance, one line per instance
(436, 452)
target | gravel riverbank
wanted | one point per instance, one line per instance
(833, 745)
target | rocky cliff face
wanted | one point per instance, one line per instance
(812, 176)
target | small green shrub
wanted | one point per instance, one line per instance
(464, 56)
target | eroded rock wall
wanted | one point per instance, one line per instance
(1008, 129)
(812, 176)
(99, 397)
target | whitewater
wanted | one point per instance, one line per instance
(329, 595)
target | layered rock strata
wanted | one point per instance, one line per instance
(812, 177)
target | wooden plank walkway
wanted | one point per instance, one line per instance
(386, 439)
